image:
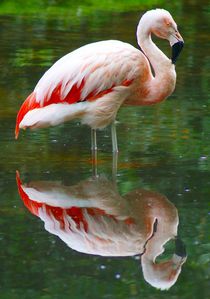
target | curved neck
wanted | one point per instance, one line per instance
(162, 84)
(162, 274)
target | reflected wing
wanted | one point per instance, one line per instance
(78, 221)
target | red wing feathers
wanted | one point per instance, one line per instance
(76, 213)
(74, 96)
(29, 104)
(33, 207)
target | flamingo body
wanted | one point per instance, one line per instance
(93, 218)
(92, 82)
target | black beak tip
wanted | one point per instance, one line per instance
(176, 50)
(180, 248)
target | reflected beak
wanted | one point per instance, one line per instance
(180, 248)
(177, 43)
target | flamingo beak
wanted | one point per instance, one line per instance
(180, 248)
(177, 43)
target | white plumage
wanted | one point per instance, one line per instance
(93, 218)
(101, 64)
(92, 82)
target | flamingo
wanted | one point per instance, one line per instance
(93, 81)
(93, 218)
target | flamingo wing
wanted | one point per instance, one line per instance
(85, 74)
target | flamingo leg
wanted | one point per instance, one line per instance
(94, 164)
(93, 140)
(94, 152)
(114, 167)
(114, 138)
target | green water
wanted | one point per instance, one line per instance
(164, 148)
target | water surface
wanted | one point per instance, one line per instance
(163, 149)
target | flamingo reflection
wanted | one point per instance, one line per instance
(93, 218)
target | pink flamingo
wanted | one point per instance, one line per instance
(92, 82)
(93, 218)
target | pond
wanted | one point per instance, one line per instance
(162, 184)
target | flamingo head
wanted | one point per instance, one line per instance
(160, 23)
(163, 275)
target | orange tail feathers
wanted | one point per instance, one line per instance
(32, 206)
(29, 104)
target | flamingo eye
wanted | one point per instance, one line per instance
(167, 22)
